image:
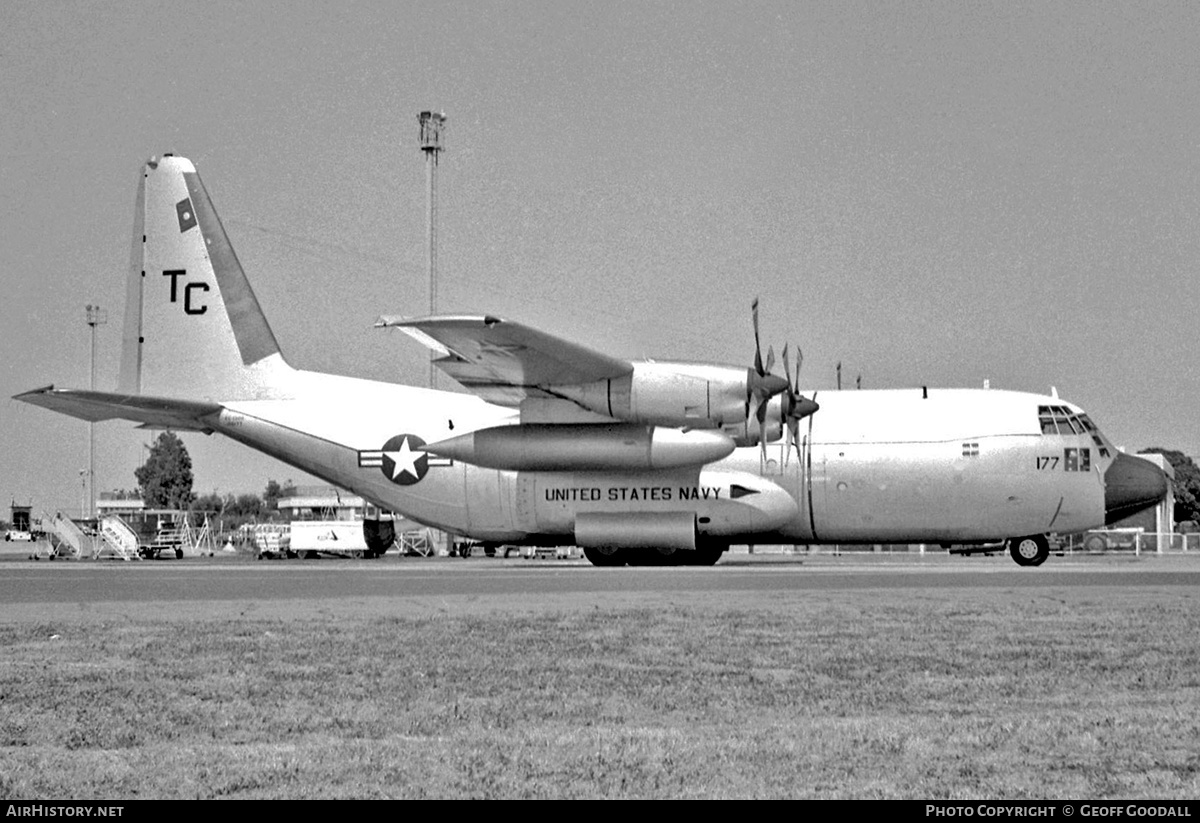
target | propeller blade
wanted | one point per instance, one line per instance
(760, 414)
(758, 366)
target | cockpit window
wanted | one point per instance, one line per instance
(1061, 420)
(1097, 438)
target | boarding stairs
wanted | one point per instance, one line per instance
(117, 541)
(69, 538)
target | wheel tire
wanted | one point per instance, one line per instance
(379, 535)
(706, 555)
(661, 557)
(604, 556)
(1029, 551)
(1095, 543)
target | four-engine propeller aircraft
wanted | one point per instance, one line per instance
(636, 462)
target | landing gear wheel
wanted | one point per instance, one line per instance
(379, 536)
(1029, 551)
(706, 555)
(659, 557)
(604, 555)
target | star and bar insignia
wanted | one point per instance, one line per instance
(401, 459)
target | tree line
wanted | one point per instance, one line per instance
(165, 482)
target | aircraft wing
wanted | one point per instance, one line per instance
(152, 412)
(504, 362)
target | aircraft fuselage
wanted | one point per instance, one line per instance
(944, 466)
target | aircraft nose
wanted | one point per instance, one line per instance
(1131, 484)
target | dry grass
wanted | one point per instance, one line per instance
(977, 694)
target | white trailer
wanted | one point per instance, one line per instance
(311, 538)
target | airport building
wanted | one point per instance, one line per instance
(321, 503)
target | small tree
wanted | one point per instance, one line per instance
(246, 506)
(274, 491)
(166, 476)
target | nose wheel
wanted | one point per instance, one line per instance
(1029, 551)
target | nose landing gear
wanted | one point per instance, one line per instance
(1029, 551)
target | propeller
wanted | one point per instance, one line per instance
(795, 406)
(762, 385)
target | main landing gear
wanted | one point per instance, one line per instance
(1029, 551)
(705, 554)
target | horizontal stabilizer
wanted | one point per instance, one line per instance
(94, 406)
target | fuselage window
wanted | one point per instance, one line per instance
(1077, 460)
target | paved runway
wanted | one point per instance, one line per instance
(215, 588)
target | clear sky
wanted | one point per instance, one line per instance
(929, 192)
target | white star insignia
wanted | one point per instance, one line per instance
(404, 460)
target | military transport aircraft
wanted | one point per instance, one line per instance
(636, 462)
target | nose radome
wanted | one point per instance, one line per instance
(1131, 484)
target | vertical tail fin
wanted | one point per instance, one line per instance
(193, 327)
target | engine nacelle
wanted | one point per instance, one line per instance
(692, 395)
(584, 447)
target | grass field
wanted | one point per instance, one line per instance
(1053, 693)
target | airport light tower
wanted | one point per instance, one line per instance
(433, 125)
(96, 316)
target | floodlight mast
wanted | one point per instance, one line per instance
(96, 316)
(433, 125)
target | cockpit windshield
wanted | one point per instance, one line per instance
(1060, 420)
